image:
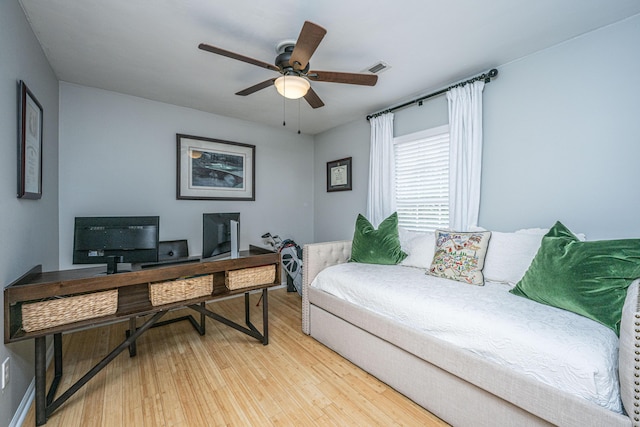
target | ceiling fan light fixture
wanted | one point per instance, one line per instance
(292, 87)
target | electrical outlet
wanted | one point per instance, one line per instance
(5, 373)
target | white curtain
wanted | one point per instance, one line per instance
(465, 155)
(381, 195)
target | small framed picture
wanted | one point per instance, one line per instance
(339, 175)
(29, 144)
(214, 169)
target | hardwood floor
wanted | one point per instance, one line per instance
(225, 378)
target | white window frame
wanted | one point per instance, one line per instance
(423, 210)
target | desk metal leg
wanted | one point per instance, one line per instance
(133, 350)
(44, 407)
(57, 363)
(203, 321)
(264, 337)
(200, 327)
(251, 330)
(265, 317)
(41, 380)
(247, 317)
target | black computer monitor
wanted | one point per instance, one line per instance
(112, 240)
(220, 234)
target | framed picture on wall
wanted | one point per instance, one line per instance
(214, 169)
(29, 144)
(339, 175)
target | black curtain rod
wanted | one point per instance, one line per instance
(484, 76)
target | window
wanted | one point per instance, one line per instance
(422, 179)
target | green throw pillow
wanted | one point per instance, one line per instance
(588, 278)
(381, 246)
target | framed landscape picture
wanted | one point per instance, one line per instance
(339, 175)
(29, 144)
(214, 169)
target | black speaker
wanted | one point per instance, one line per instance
(172, 249)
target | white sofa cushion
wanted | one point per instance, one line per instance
(538, 340)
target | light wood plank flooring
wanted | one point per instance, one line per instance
(225, 378)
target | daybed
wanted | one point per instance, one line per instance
(467, 385)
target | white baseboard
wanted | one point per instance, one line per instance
(29, 396)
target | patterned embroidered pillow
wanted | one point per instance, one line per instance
(460, 255)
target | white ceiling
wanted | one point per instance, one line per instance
(149, 48)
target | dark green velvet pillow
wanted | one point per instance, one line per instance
(588, 278)
(381, 246)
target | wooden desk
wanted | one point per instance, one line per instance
(133, 301)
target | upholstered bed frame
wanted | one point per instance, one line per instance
(456, 385)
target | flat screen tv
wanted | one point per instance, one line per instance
(116, 239)
(220, 235)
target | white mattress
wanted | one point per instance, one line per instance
(559, 348)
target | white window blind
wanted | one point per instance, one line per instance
(422, 179)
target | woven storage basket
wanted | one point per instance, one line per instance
(246, 277)
(60, 311)
(180, 290)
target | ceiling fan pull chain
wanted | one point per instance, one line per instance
(284, 111)
(298, 116)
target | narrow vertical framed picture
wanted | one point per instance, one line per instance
(339, 175)
(29, 144)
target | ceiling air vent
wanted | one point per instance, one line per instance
(378, 67)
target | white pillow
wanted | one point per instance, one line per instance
(509, 256)
(419, 247)
(405, 236)
(542, 231)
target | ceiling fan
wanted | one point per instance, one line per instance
(293, 63)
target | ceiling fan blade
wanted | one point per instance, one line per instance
(237, 56)
(348, 78)
(313, 99)
(255, 88)
(310, 37)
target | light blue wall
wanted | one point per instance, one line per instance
(432, 113)
(28, 228)
(336, 212)
(562, 137)
(118, 157)
(561, 141)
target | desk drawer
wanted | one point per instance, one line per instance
(247, 277)
(180, 290)
(60, 311)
